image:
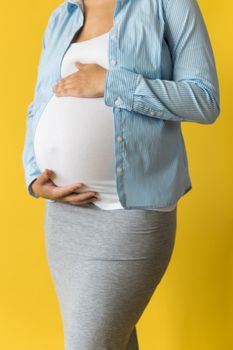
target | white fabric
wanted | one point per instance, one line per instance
(75, 136)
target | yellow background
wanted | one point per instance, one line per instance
(192, 308)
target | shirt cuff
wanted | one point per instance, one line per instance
(119, 87)
(30, 191)
(129, 90)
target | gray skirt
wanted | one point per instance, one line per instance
(105, 265)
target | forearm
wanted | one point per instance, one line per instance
(193, 92)
(30, 190)
(189, 100)
(31, 169)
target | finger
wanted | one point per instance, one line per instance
(85, 202)
(75, 92)
(59, 85)
(79, 64)
(68, 78)
(78, 197)
(68, 87)
(63, 92)
(59, 191)
(75, 79)
(45, 176)
(69, 84)
(63, 80)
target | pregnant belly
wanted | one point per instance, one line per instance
(75, 138)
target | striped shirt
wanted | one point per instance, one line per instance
(161, 72)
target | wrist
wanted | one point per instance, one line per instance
(32, 189)
(102, 85)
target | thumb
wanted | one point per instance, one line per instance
(79, 64)
(45, 176)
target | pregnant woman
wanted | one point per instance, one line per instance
(104, 148)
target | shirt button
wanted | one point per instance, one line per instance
(113, 61)
(152, 113)
(117, 102)
(119, 138)
(113, 37)
(119, 169)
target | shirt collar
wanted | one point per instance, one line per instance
(75, 2)
(80, 2)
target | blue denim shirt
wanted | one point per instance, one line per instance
(161, 73)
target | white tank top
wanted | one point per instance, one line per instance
(75, 136)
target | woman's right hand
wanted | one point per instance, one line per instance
(44, 187)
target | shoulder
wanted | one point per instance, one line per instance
(54, 18)
(56, 13)
(180, 3)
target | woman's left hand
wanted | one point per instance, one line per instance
(88, 81)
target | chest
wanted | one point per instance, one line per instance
(98, 19)
(135, 41)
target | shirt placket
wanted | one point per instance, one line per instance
(119, 122)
